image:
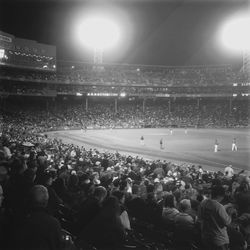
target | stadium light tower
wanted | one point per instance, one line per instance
(99, 34)
(235, 36)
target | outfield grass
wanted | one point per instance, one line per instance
(197, 146)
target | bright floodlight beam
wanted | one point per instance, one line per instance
(99, 33)
(235, 34)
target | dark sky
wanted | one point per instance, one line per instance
(170, 32)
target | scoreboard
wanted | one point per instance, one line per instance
(24, 53)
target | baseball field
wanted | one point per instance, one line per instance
(193, 146)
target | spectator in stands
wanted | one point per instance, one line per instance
(169, 212)
(61, 190)
(106, 229)
(236, 238)
(136, 204)
(184, 226)
(73, 182)
(242, 196)
(228, 171)
(214, 220)
(244, 222)
(17, 190)
(124, 215)
(54, 200)
(90, 208)
(153, 210)
(40, 230)
(7, 152)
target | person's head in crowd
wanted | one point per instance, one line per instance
(32, 155)
(150, 188)
(158, 187)
(244, 186)
(159, 195)
(232, 211)
(177, 194)
(41, 153)
(195, 205)
(143, 190)
(185, 205)
(136, 190)
(217, 192)
(84, 179)
(123, 184)
(200, 197)
(73, 181)
(116, 182)
(95, 178)
(39, 196)
(100, 193)
(146, 182)
(170, 201)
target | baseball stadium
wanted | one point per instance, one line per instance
(125, 124)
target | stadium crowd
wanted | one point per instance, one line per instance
(128, 114)
(130, 75)
(106, 200)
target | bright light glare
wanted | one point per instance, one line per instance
(236, 34)
(1, 53)
(98, 33)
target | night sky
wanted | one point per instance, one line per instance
(154, 32)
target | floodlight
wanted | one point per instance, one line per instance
(235, 33)
(98, 33)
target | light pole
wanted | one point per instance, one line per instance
(246, 62)
(235, 36)
(98, 56)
